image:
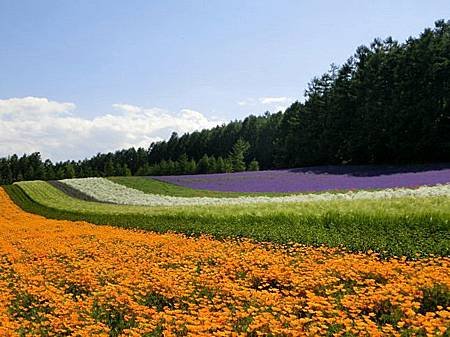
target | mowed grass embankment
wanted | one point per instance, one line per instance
(401, 227)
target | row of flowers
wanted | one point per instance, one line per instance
(105, 190)
(63, 278)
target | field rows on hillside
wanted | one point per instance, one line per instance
(410, 226)
(61, 277)
(104, 190)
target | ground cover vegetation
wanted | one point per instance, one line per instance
(389, 103)
(63, 278)
(408, 226)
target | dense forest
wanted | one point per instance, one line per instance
(388, 103)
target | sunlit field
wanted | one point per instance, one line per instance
(225, 168)
(63, 278)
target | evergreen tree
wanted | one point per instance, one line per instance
(109, 168)
(163, 168)
(183, 161)
(228, 165)
(253, 166)
(203, 164)
(49, 173)
(238, 153)
(118, 170)
(60, 173)
(170, 168)
(126, 171)
(69, 171)
(212, 165)
(144, 170)
(192, 167)
(155, 170)
(29, 173)
(220, 165)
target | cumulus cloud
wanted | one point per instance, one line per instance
(268, 103)
(37, 124)
(33, 107)
(271, 100)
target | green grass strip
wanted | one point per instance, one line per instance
(396, 227)
(154, 186)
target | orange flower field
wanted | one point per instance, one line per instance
(63, 278)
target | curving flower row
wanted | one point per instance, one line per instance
(316, 179)
(107, 191)
(62, 278)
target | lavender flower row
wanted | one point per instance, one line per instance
(316, 179)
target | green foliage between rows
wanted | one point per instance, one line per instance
(391, 227)
(154, 186)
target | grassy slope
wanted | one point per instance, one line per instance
(394, 227)
(154, 186)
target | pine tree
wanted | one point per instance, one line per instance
(60, 173)
(220, 165)
(144, 170)
(69, 171)
(212, 165)
(228, 165)
(183, 164)
(109, 168)
(49, 172)
(253, 166)
(170, 167)
(237, 156)
(192, 167)
(118, 170)
(162, 167)
(203, 164)
(126, 171)
(8, 176)
(155, 170)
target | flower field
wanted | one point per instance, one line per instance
(315, 179)
(198, 263)
(104, 190)
(403, 226)
(63, 278)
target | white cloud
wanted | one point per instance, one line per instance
(127, 107)
(37, 124)
(248, 101)
(272, 100)
(274, 104)
(33, 107)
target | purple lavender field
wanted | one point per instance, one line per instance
(315, 179)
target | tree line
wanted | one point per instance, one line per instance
(388, 103)
(122, 163)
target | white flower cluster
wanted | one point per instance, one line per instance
(107, 191)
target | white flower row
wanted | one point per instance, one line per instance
(107, 191)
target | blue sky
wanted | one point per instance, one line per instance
(86, 68)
